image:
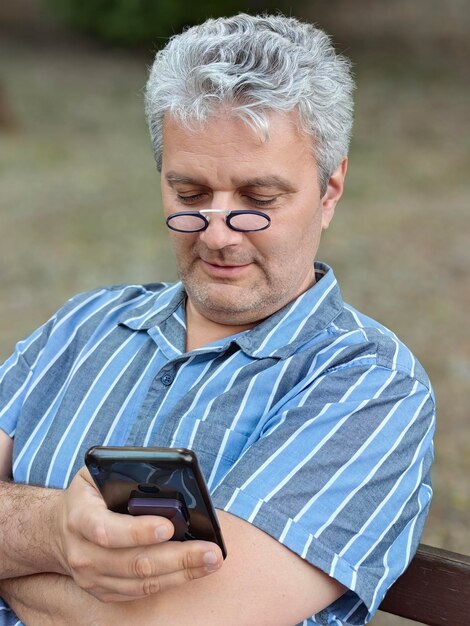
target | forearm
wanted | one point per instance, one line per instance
(55, 600)
(49, 600)
(27, 530)
(261, 583)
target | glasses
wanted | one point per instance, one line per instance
(197, 221)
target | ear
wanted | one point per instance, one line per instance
(333, 193)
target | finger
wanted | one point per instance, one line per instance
(117, 572)
(172, 557)
(123, 590)
(118, 530)
(97, 524)
(139, 564)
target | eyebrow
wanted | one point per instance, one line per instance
(264, 181)
(174, 178)
(268, 181)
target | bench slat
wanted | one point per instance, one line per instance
(434, 590)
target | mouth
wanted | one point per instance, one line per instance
(219, 270)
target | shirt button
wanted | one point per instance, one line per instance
(167, 379)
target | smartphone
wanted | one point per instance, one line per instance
(157, 481)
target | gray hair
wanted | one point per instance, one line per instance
(255, 65)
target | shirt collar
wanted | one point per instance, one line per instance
(284, 332)
(278, 336)
(163, 300)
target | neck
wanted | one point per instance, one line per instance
(200, 331)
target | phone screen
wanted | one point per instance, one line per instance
(157, 481)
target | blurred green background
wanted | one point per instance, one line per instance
(79, 193)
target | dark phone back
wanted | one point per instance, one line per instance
(119, 471)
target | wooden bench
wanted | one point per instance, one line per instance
(434, 590)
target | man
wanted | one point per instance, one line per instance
(313, 424)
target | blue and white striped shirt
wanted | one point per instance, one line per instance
(315, 426)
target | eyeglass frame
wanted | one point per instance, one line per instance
(229, 215)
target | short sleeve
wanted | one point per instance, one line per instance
(341, 477)
(33, 353)
(16, 373)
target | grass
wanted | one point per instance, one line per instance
(80, 208)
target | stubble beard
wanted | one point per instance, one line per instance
(240, 304)
(247, 303)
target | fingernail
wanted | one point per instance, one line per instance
(210, 560)
(162, 532)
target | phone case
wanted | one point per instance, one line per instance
(157, 481)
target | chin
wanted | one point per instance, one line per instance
(226, 308)
(239, 320)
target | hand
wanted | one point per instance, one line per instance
(118, 557)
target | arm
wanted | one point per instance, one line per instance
(22, 506)
(72, 532)
(262, 582)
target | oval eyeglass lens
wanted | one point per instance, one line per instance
(187, 223)
(249, 221)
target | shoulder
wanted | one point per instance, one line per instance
(363, 337)
(92, 314)
(110, 300)
(131, 293)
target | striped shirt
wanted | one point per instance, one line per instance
(315, 426)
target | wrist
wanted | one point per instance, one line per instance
(55, 515)
(28, 537)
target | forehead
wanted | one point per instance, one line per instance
(227, 147)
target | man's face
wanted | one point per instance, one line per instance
(238, 278)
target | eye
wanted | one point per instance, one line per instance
(259, 202)
(190, 199)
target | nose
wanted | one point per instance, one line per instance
(218, 235)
